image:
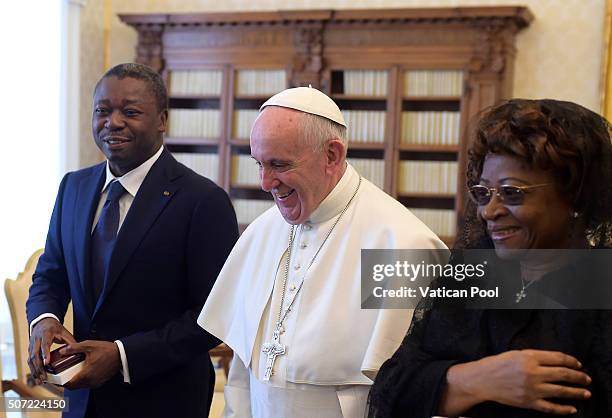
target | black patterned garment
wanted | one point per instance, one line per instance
(410, 384)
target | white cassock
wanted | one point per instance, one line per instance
(333, 347)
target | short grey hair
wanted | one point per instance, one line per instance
(318, 130)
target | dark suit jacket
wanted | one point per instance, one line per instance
(169, 250)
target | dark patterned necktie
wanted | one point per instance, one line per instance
(104, 236)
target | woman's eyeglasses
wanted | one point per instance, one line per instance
(510, 195)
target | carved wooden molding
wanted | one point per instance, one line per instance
(316, 46)
(300, 38)
(150, 50)
(520, 16)
(308, 59)
(495, 43)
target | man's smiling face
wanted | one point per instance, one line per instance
(127, 125)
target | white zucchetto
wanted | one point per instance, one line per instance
(308, 100)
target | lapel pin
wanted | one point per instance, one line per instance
(166, 193)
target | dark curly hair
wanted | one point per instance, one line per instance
(144, 73)
(563, 137)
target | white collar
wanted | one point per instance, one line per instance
(132, 180)
(338, 198)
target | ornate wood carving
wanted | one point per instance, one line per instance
(308, 59)
(227, 37)
(494, 44)
(479, 39)
(150, 47)
(313, 45)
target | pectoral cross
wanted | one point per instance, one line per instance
(272, 349)
(520, 296)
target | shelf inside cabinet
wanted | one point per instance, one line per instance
(191, 147)
(427, 195)
(191, 141)
(193, 97)
(377, 154)
(422, 155)
(353, 97)
(249, 192)
(246, 187)
(429, 148)
(427, 200)
(238, 142)
(194, 102)
(259, 97)
(429, 105)
(352, 146)
(432, 98)
(375, 146)
(357, 82)
(363, 104)
(249, 102)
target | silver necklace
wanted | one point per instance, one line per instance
(523, 293)
(274, 348)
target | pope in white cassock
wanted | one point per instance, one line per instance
(288, 299)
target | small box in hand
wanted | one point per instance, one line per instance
(63, 368)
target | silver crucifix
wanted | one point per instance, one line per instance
(272, 349)
(520, 296)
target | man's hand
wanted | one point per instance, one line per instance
(46, 332)
(102, 362)
(527, 378)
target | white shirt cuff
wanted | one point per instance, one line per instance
(125, 371)
(41, 317)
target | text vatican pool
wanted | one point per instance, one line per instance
(439, 292)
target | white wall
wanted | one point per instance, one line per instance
(30, 155)
(30, 108)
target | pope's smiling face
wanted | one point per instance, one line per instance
(297, 176)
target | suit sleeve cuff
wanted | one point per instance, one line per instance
(41, 317)
(125, 371)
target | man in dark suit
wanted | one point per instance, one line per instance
(136, 243)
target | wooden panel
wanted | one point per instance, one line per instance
(316, 47)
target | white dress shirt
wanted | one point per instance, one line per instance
(131, 182)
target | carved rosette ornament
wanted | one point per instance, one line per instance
(493, 47)
(149, 50)
(308, 59)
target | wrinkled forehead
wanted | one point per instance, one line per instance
(278, 118)
(278, 127)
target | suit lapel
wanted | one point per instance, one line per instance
(88, 197)
(154, 194)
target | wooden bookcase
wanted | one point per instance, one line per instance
(409, 82)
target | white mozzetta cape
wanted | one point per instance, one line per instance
(335, 342)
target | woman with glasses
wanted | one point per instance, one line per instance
(539, 177)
